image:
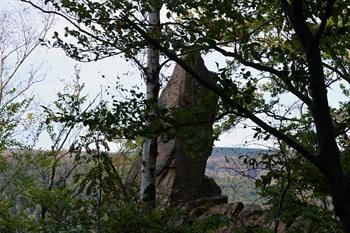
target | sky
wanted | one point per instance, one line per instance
(56, 70)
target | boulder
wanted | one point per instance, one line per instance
(205, 202)
(202, 206)
(228, 209)
(210, 187)
(251, 210)
(253, 215)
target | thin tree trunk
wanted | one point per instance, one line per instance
(149, 150)
(1, 77)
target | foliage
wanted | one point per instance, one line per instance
(80, 190)
(296, 193)
(285, 58)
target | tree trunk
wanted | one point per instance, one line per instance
(341, 202)
(329, 154)
(149, 150)
(328, 160)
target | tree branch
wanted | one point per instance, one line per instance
(295, 12)
(221, 93)
(280, 74)
(328, 10)
(338, 72)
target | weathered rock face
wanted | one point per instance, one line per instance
(182, 160)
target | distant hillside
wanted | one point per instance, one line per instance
(237, 151)
(235, 178)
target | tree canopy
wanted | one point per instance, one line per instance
(276, 50)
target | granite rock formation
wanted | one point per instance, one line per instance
(182, 159)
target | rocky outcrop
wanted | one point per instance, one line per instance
(182, 156)
(182, 160)
(240, 215)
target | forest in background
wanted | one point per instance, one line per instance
(285, 61)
